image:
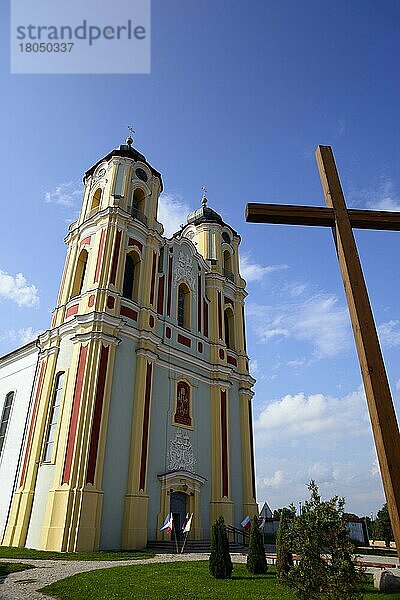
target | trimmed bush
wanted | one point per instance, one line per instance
(284, 557)
(256, 560)
(220, 563)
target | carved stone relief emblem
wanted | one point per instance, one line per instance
(183, 270)
(181, 456)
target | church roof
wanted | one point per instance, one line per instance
(206, 214)
(126, 151)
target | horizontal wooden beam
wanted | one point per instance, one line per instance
(291, 214)
(286, 214)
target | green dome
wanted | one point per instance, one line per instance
(205, 214)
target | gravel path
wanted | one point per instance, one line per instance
(25, 584)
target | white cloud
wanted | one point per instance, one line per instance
(297, 362)
(398, 385)
(65, 194)
(275, 481)
(252, 271)
(297, 290)
(21, 336)
(253, 367)
(389, 333)
(300, 416)
(172, 212)
(383, 197)
(18, 290)
(319, 319)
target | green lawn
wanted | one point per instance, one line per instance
(8, 552)
(177, 581)
(7, 568)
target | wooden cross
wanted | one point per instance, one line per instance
(342, 220)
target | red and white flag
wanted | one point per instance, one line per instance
(168, 523)
(246, 523)
(188, 523)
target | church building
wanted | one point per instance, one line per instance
(136, 402)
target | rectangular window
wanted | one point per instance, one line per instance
(181, 308)
(5, 417)
(53, 419)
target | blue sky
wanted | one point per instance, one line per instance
(239, 96)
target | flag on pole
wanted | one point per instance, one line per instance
(246, 523)
(168, 523)
(188, 524)
(185, 520)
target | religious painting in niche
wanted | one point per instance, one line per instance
(182, 413)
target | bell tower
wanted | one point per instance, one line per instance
(219, 244)
(108, 278)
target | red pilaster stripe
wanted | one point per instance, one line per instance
(169, 286)
(199, 302)
(98, 408)
(74, 415)
(114, 264)
(153, 278)
(99, 256)
(145, 435)
(33, 421)
(244, 329)
(224, 445)
(220, 316)
(253, 478)
(205, 317)
(160, 298)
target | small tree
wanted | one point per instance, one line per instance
(220, 563)
(326, 566)
(284, 557)
(383, 526)
(256, 559)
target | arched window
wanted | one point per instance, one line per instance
(131, 277)
(138, 205)
(53, 417)
(229, 329)
(182, 412)
(5, 418)
(183, 306)
(96, 200)
(226, 237)
(79, 274)
(228, 265)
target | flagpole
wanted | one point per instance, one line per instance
(184, 542)
(176, 539)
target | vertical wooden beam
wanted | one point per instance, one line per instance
(383, 418)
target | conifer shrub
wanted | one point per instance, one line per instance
(256, 560)
(326, 568)
(284, 556)
(220, 563)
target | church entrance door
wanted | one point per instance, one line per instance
(178, 509)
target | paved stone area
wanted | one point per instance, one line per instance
(25, 584)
